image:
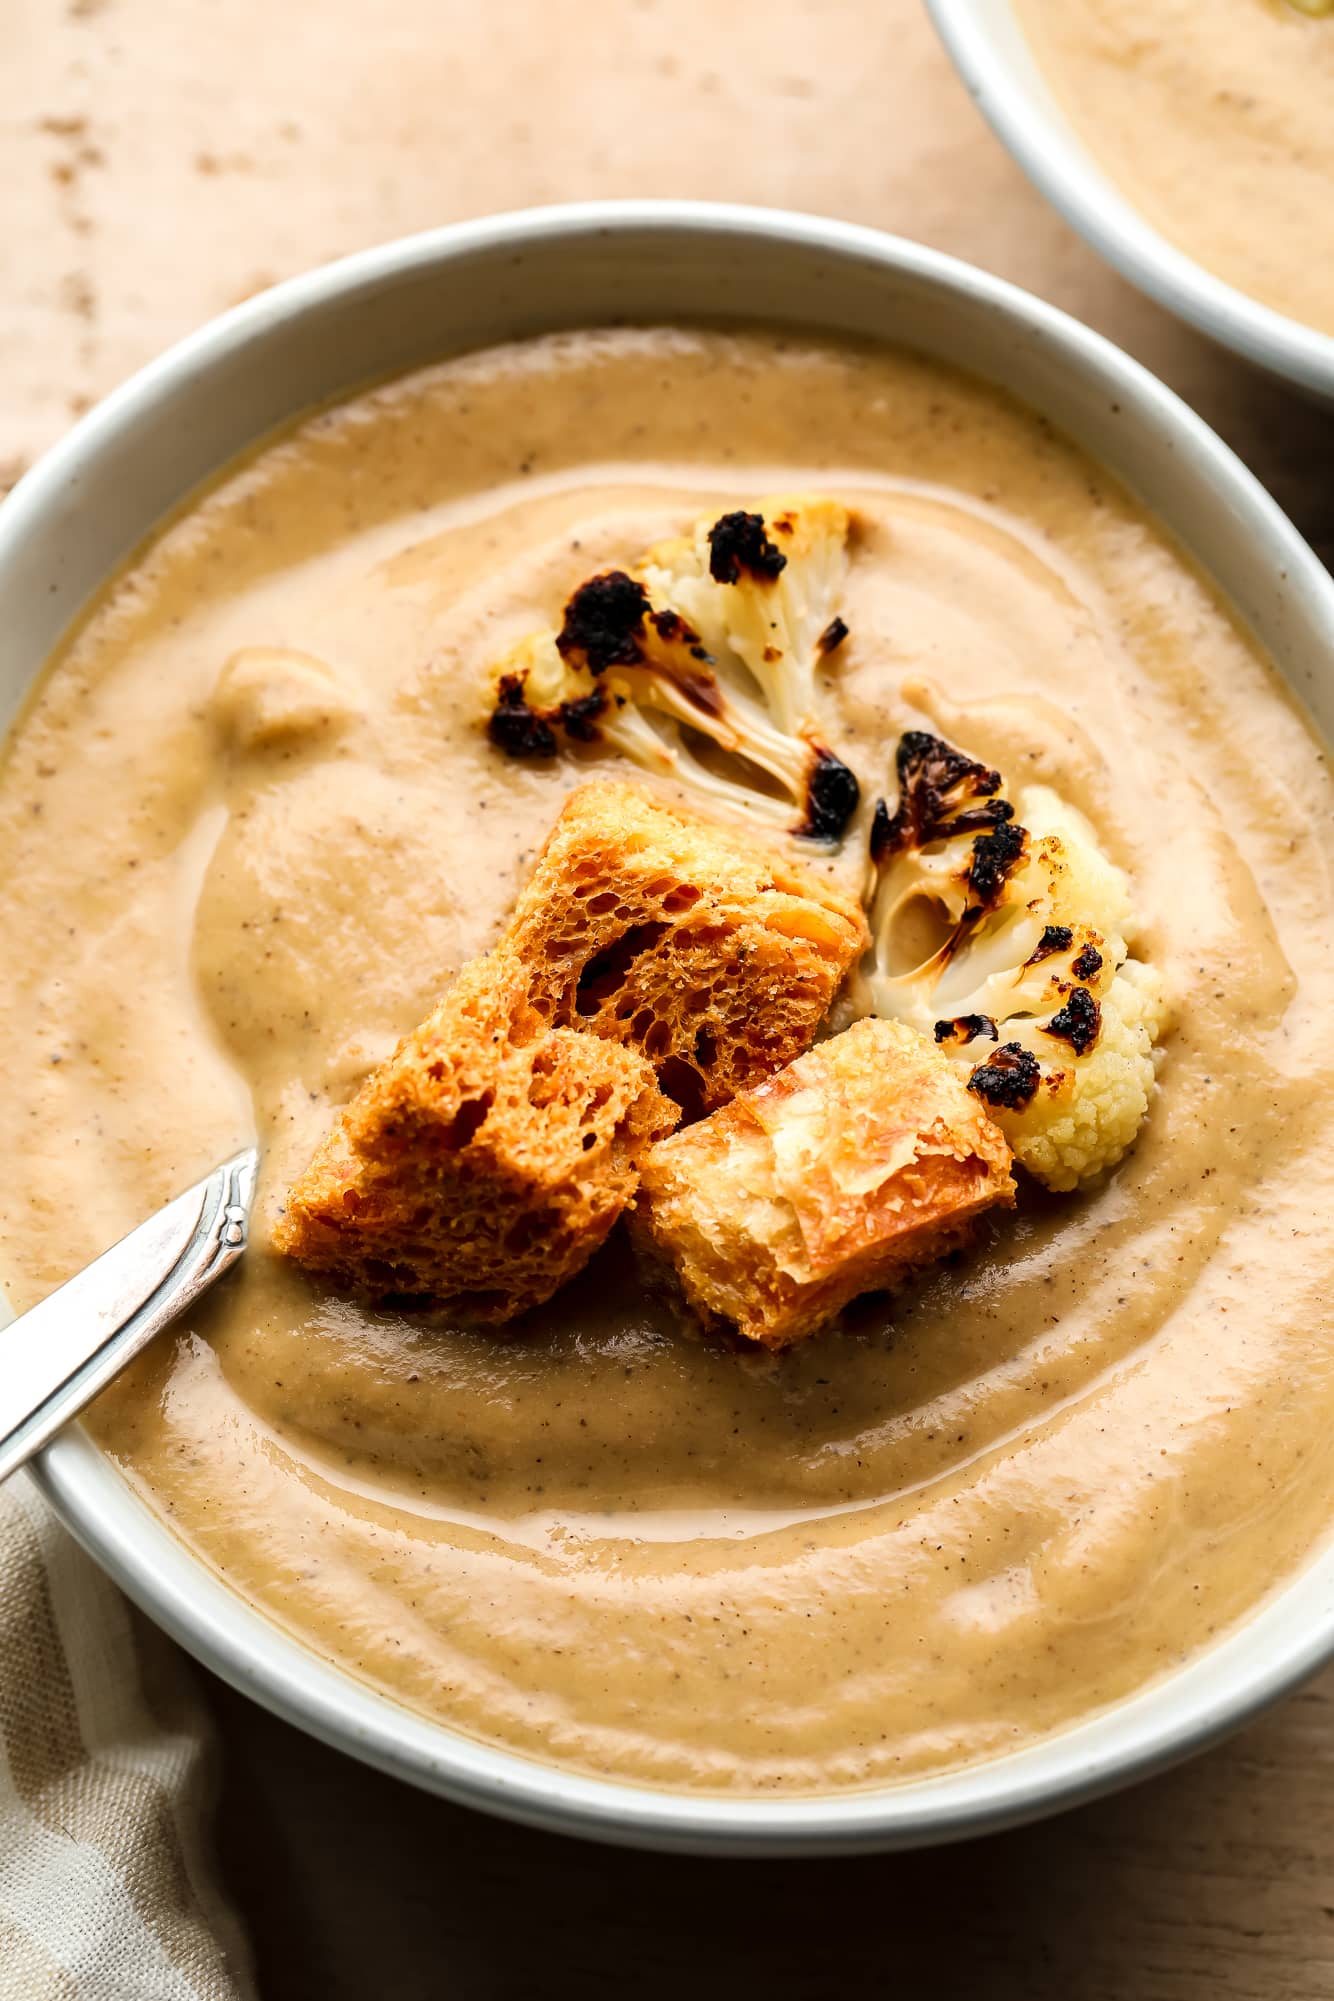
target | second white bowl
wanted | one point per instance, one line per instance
(995, 61)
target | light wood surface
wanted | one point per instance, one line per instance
(160, 159)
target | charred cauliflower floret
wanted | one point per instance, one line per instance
(718, 637)
(764, 589)
(999, 929)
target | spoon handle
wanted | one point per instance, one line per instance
(55, 1359)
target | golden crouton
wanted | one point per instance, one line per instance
(485, 1162)
(714, 954)
(861, 1161)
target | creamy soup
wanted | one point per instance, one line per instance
(1052, 1470)
(1216, 117)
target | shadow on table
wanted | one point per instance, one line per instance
(1251, 412)
(1211, 1882)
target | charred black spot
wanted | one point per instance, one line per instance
(1008, 1079)
(832, 637)
(966, 1028)
(670, 626)
(832, 797)
(882, 833)
(921, 756)
(738, 542)
(991, 813)
(1078, 1023)
(579, 718)
(1056, 938)
(604, 622)
(516, 728)
(994, 855)
(1088, 965)
(520, 730)
(941, 793)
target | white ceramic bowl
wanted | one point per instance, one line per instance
(995, 61)
(87, 505)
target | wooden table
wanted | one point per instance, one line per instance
(160, 159)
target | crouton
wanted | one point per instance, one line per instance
(485, 1162)
(863, 1160)
(713, 953)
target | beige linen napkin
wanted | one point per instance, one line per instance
(107, 1888)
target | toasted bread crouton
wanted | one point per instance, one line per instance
(861, 1161)
(485, 1162)
(715, 954)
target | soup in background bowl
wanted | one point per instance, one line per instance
(1216, 122)
(1188, 144)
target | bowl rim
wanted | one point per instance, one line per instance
(1030, 124)
(1178, 1714)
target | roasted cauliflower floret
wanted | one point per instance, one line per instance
(999, 928)
(764, 589)
(1083, 1115)
(634, 665)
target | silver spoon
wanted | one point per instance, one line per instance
(56, 1358)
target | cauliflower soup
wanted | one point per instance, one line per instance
(1216, 118)
(973, 1513)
